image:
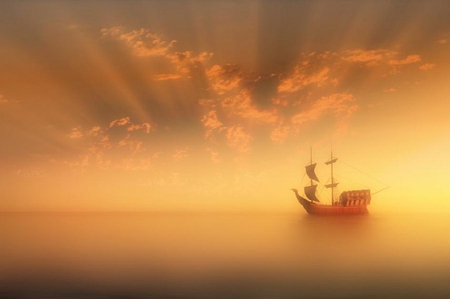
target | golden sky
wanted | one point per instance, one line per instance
(213, 105)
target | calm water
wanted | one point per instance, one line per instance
(223, 256)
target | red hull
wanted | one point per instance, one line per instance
(337, 209)
(317, 209)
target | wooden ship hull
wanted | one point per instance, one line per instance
(348, 204)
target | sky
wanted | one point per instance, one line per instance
(215, 105)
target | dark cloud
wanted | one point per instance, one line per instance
(263, 89)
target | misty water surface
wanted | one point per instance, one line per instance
(141, 255)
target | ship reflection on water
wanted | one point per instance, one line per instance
(223, 256)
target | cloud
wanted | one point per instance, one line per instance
(4, 100)
(32, 172)
(93, 156)
(213, 155)
(300, 79)
(367, 57)
(317, 89)
(224, 79)
(146, 127)
(120, 122)
(180, 154)
(94, 131)
(76, 133)
(105, 145)
(280, 133)
(165, 77)
(388, 90)
(408, 60)
(134, 164)
(238, 106)
(234, 108)
(242, 105)
(340, 105)
(427, 66)
(133, 145)
(211, 122)
(184, 62)
(379, 58)
(443, 41)
(279, 101)
(142, 42)
(238, 139)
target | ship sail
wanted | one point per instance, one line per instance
(310, 172)
(331, 185)
(310, 192)
(331, 161)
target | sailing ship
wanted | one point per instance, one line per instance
(349, 202)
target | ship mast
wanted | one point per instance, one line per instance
(332, 180)
(310, 162)
(333, 184)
